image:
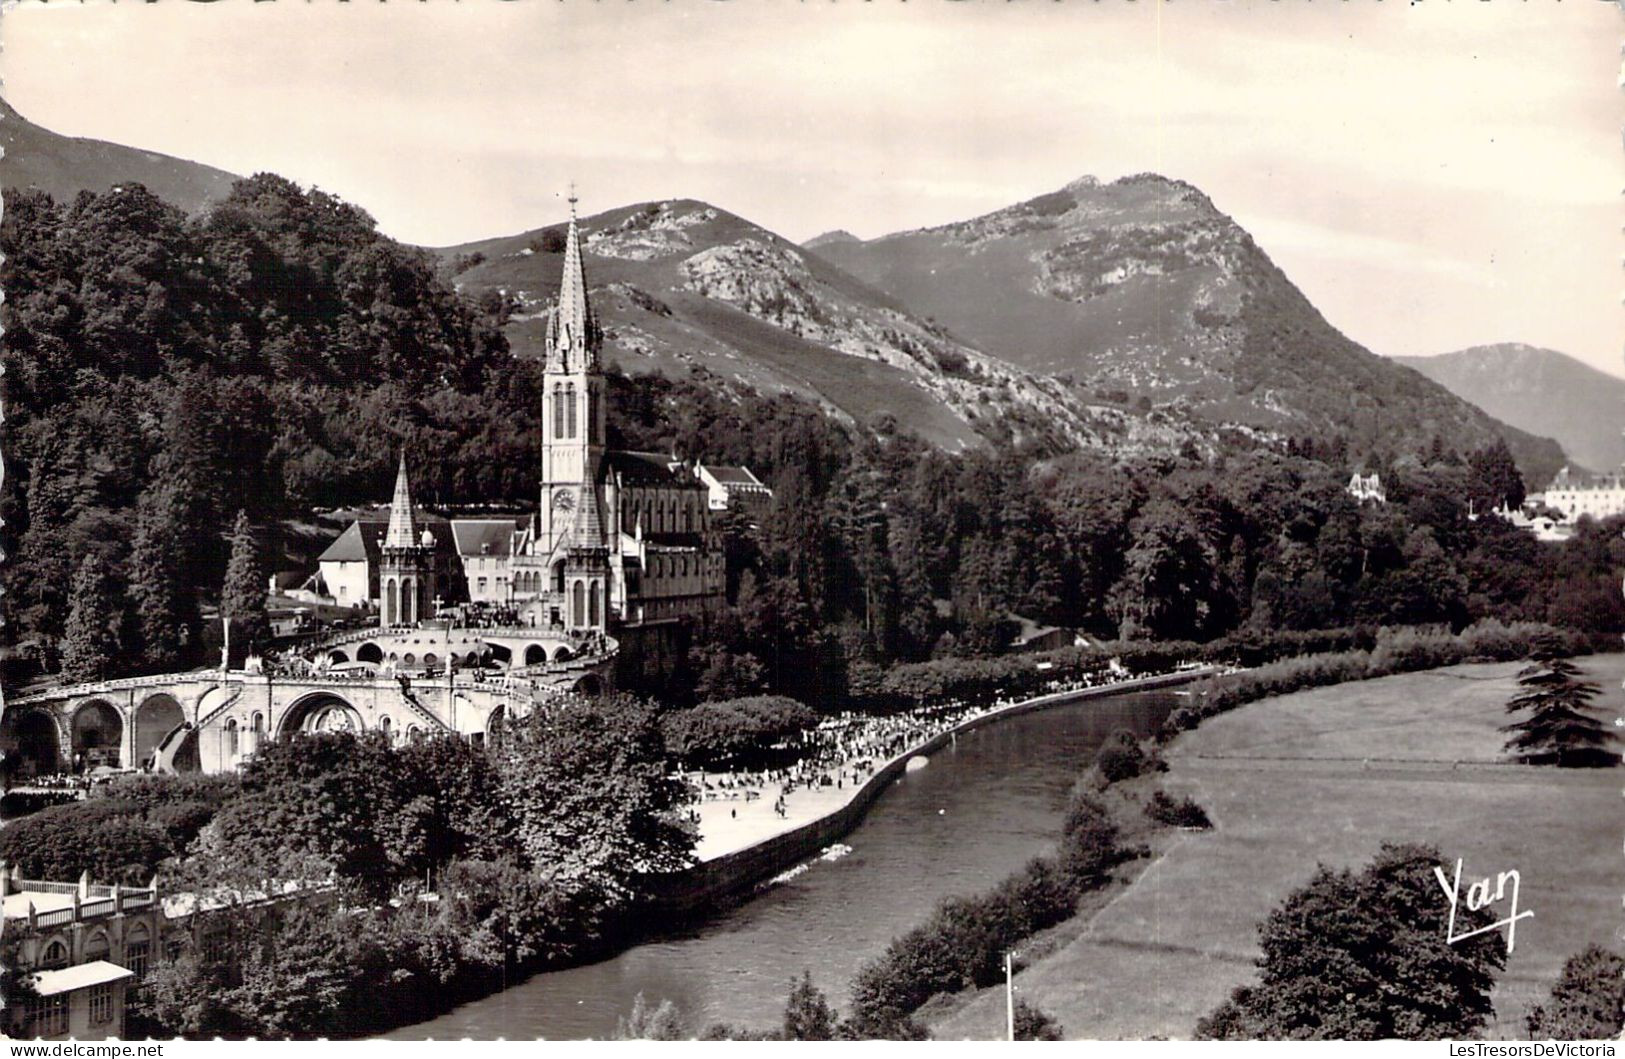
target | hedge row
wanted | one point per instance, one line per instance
(1399, 650)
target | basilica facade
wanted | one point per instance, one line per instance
(619, 538)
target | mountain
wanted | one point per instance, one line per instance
(839, 235)
(1143, 287)
(1541, 391)
(682, 283)
(67, 165)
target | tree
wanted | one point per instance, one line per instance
(90, 644)
(325, 802)
(1169, 578)
(592, 801)
(1366, 957)
(1561, 728)
(1031, 1024)
(243, 596)
(165, 606)
(807, 1014)
(662, 1023)
(1587, 1001)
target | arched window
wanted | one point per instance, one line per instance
(137, 950)
(56, 955)
(592, 604)
(558, 411)
(97, 947)
(231, 737)
(578, 609)
(592, 415)
(570, 391)
(392, 602)
(383, 726)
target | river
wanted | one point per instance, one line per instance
(973, 815)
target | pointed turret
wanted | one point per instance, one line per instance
(403, 529)
(573, 335)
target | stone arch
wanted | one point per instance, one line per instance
(589, 684)
(410, 659)
(97, 946)
(33, 737)
(337, 657)
(562, 654)
(431, 659)
(98, 733)
(535, 654)
(320, 711)
(57, 953)
(495, 723)
(369, 652)
(500, 655)
(155, 718)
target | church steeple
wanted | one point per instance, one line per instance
(573, 335)
(403, 530)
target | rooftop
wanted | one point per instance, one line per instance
(79, 976)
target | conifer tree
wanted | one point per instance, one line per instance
(1561, 727)
(243, 596)
(89, 644)
(165, 605)
(807, 1014)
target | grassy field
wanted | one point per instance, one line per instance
(1326, 776)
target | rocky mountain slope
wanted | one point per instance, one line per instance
(1542, 391)
(66, 165)
(1143, 287)
(682, 283)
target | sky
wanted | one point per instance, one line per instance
(1433, 175)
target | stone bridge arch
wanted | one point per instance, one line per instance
(320, 711)
(157, 715)
(370, 652)
(32, 740)
(97, 730)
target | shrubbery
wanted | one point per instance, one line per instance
(121, 833)
(1182, 813)
(1120, 757)
(1398, 650)
(1587, 1001)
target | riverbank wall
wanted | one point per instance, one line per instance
(720, 878)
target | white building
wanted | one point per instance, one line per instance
(734, 487)
(1575, 496)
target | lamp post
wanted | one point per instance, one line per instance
(1009, 998)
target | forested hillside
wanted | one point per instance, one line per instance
(277, 353)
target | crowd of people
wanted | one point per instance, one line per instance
(845, 751)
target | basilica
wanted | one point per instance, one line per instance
(619, 539)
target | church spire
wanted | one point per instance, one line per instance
(573, 337)
(403, 530)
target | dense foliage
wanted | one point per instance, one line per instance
(122, 834)
(1587, 1001)
(736, 733)
(1365, 957)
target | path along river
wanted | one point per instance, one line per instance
(971, 816)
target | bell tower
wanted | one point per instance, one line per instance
(573, 429)
(571, 528)
(406, 588)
